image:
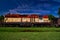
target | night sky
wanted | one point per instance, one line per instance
(30, 6)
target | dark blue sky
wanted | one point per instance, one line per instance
(30, 6)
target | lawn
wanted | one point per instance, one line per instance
(29, 35)
(17, 33)
(32, 29)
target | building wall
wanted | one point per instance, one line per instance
(25, 19)
(41, 20)
(37, 19)
(28, 19)
(46, 19)
(12, 20)
(34, 19)
(17, 20)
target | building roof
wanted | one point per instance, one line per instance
(12, 15)
(25, 16)
(19, 16)
(34, 16)
(45, 16)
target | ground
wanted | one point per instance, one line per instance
(29, 35)
(10, 34)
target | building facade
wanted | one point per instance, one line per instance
(25, 18)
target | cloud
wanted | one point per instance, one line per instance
(31, 6)
(13, 11)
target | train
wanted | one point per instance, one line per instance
(33, 20)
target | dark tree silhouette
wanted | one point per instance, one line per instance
(51, 17)
(1, 18)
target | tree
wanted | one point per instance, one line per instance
(1, 18)
(59, 12)
(51, 17)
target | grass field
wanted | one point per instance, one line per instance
(16, 33)
(32, 29)
(29, 35)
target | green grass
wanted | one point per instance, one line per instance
(29, 35)
(16, 33)
(32, 29)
